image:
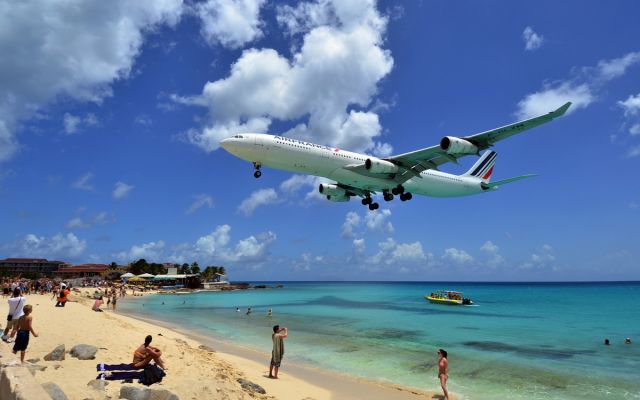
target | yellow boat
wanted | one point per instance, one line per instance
(449, 297)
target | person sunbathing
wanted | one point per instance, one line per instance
(145, 353)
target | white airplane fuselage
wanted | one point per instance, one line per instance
(313, 159)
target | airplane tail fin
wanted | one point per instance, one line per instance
(483, 168)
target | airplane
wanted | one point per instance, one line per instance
(364, 175)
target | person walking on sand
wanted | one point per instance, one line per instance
(443, 371)
(16, 305)
(278, 350)
(23, 328)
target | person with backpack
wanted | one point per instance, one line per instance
(16, 305)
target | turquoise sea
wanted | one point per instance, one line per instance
(521, 341)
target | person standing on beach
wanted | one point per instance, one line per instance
(278, 350)
(443, 371)
(23, 328)
(16, 305)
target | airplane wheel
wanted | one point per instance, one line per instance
(408, 196)
(400, 189)
(257, 174)
(388, 197)
(367, 201)
(395, 191)
(374, 206)
(403, 197)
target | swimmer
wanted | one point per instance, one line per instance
(270, 313)
(627, 341)
(606, 342)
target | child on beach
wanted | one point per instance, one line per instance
(23, 328)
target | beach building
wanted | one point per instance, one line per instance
(35, 266)
(83, 271)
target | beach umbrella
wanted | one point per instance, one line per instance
(145, 276)
(127, 275)
(136, 279)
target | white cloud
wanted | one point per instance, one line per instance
(532, 40)
(200, 200)
(256, 199)
(296, 182)
(495, 258)
(581, 88)
(400, 254)
(542, 258)
(84, 182)
(351, 222)
(52, 50)
(377, 221)
(336, 69)
(76, 223)
(152, 252)
(359, 246)
(633, 152)
(58, 246)
(631, 107)
(143, 120)
(214, 242)
(457, 256)
(553, 96)
(121, 190)
(231, 23)
(616, 67)
(73, 124)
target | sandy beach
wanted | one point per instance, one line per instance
(197, 367)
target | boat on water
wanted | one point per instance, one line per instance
(450, 297)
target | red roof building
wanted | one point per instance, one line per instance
(82, 270)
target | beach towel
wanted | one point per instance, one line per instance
(152, 374)
(119, 375)
(116, 367)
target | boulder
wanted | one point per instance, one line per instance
(35, 367)
(251, 387)
(162, 394)
(97, 384)
(54, 391)
(84, 351)
(56, 355)
(134, 393)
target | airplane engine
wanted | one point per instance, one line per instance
(378, 166)
(338, 198)
(454, 145)
(331, 190)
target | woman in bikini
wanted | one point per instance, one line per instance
(145, 353)
(443, 371)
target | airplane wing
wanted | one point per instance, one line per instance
(414, 162)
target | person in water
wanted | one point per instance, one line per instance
(606, 342)
(278, 336)
(145, 353)
(443, 371)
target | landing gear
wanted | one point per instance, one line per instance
(256, 166)
(374, 206)
(366, 201)
(387, 196)
(398, 190)
(406, 196)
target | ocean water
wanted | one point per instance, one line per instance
(521, 341)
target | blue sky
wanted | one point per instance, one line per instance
(110, 115)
